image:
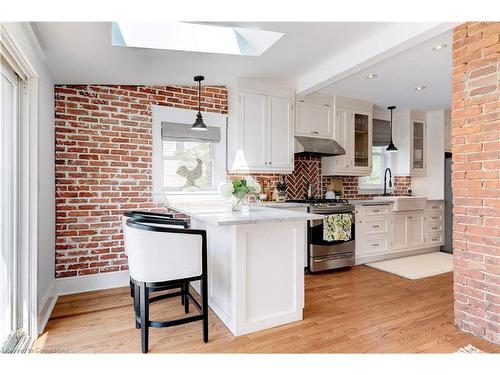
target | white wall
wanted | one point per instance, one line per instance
(432, 185)
(46, 164)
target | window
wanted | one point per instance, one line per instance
(187, 166)
(376, 180)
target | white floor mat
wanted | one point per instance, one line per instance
(417, 266)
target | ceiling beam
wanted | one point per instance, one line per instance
(392, 40)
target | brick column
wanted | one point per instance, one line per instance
(475, 178)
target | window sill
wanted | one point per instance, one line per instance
(195, 198)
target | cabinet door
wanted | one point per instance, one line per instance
(338, 164)
(280, 133)
(418, 148)
(253, 123)
(314, 119)
(362, 142)
(399, 232)
(415, 230)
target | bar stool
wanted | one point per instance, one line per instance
(164, 253)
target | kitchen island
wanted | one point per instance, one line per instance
(255, 264)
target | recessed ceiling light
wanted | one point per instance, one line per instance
(419, 88)
(371, 76)
(439, 46)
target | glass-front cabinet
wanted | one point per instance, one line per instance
(361, 140)
(418, 147)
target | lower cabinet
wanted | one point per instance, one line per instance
(383, 234)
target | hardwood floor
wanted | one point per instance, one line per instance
(361, 310)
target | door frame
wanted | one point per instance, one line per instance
(28, 187)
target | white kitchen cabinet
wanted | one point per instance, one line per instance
(353, 131)
(372, 231)
(253, 123)
(384, 234)
(262, 135)
(415, 229)
(399, 232)
(314, 117)
(280, 133)
(447, 134)
(418, 145)
(434, 223)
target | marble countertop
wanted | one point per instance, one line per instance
(283, 204)
(223, 215)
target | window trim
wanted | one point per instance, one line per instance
(184, 116)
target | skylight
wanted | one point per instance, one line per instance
(183, 36)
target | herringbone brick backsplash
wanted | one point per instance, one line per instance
(308, 170)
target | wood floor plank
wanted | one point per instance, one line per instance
(361, 310)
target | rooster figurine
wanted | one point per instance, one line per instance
(191, 175)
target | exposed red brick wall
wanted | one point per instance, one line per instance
(103, 166)
(475, 178)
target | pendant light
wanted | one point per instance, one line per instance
(199, 124)
(391, 147)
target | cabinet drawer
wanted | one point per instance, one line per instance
(375, 245)
(434, 239)
(434, 216)
(433, 227)
(374, 210)
(434, 207)
(375, 226)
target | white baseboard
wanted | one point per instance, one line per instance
(46, 307)
(79, 284)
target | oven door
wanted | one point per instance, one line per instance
(318, 247)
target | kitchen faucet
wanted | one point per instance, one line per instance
(385, 180)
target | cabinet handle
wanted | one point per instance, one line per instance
(314, 133)
(375, 244)
(410, 217)
(265, 162)
(375, 210)
(270, 162)
(434, 218)
(326, 105)
(302, 101)
(434, 227)
(375, 226)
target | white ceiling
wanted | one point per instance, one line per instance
(399, 75)
(79, 53)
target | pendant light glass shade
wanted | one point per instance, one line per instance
(391, 147)
(198, 123)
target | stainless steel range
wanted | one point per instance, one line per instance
(326, 255)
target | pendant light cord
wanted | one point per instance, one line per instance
(199, 97)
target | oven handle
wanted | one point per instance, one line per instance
(315, 223)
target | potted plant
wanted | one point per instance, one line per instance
(239, 190)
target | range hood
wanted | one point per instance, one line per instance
(317, 147)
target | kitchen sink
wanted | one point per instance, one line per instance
(405, 203)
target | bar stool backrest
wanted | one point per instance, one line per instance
(158, 251)
(140, 214)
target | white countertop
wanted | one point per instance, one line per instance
(223, 215)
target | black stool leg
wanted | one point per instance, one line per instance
(185, 287)
(204, 287)
(144, 303)
(182, 295)
(137, 307)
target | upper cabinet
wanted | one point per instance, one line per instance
(447, 131)
(314, 116)
(353, 130)
(260, 131)
(418, 145)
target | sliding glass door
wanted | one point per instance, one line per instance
(9, 250)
